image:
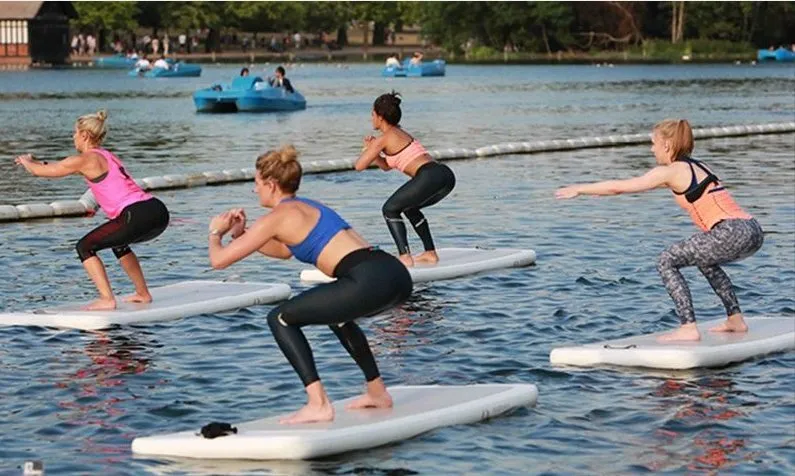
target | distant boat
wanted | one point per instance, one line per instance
(175, 70)
(781, 54)
(114, 62)
(425, 68)
(247, 94)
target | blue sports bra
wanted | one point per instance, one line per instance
(327, 226)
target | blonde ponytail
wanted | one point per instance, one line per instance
(679, 134)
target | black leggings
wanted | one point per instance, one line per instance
(432, 182)
(368, 282)
(139, 222)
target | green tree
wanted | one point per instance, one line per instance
(105, 17)
(380, 13)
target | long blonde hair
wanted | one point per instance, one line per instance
(282, 166)
(679, 134)
(94, 126)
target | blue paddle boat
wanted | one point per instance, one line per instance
(175, 70)
(781, 54)
(114, 62)
(247, 94)
(425, 68)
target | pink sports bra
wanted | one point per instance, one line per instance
(402, 159)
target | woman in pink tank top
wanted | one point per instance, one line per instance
(134, 215)
(429, 181)
(727, 233)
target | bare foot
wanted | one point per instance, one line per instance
(370, 400)
(310, 414)
(429, 257)
(101, 304)
(143, 298)
(688, 332)
(407, 260)
(734, 323)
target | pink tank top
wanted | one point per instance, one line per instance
(116, 190)
(402, 159)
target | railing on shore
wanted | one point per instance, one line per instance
(86, 205)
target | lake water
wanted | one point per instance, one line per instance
(76, 400)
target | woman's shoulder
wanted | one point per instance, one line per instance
(400, 134)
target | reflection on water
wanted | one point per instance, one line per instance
(691, 407)
(95, 393)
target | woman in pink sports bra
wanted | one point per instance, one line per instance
(135, 216)
(430, 181)
(727, 232)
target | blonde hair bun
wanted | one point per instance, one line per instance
(281, 165)
(94, 126)
(288, 154)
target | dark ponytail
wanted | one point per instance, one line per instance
(387, 106)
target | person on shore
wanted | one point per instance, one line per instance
(727, 233)
(134, 215)
(368, 281)
(429, 182)
(280, 80)
(75, 45)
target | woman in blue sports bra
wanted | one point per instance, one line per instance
(368, 281)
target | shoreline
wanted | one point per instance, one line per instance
(379, 54)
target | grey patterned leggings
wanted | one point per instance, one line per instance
(729, 240)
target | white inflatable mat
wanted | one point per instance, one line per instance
(417, 409)
(453, 263)
(715, 349)
(174, 301)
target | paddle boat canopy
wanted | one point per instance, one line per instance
(247, 94)
(114, 62)
(781, 54)
(425, 68)
(175, 70)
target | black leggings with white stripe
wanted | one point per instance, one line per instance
(432, 182)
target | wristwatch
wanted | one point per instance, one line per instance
(215, 232)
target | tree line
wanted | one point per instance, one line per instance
(458, 26)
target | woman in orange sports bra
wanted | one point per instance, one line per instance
(430, 181)
(727, 234)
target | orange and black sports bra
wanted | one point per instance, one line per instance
(707, 202)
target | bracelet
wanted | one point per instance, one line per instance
(215, 232)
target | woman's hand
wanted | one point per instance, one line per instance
(26, 161)
(221, 224)
(238, 222)
(567, 192)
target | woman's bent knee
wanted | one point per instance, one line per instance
(85, 250)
